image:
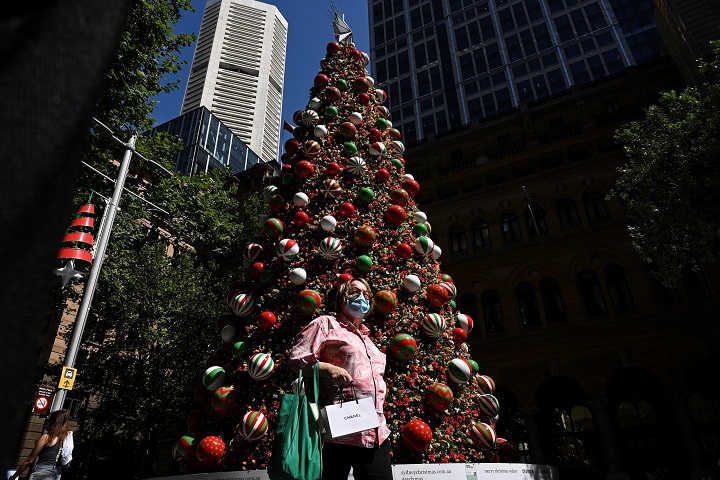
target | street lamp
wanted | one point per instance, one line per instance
(102, 243)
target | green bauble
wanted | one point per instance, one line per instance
(239, 350)
(420, 229)
(452, 304)
(382, 123)
(288, 179)
(341, 85)
(474, 365)
(266, 277)
(396, 163)
(350, 148)
(331, 111)
(366, 195)
(363, 263)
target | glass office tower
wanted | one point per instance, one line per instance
(208, 144)
(445, 63)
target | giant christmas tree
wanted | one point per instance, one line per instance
(343, 208)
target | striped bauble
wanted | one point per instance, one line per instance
(489, 406)
(356, 166)
(243, 304)
(330, 188)
(424, 245)
(330, 248)
(433, 325)
(254, 425)
(486, 384)
(403, 346)
(288, 249)
(213, 378)
(460, 370)
(483, 435)
(261, 366)
(465, 322)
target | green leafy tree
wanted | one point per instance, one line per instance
(164, 274)
(671, 182)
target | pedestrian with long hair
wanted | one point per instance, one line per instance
(47, 449)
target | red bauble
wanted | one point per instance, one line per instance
(321, 80)
(304, 169)
(437, 295)
(459, 336)
(382, 175)
(412, 187)
(287, 168)
(395, 214)
(347, 209)
(344, 278)
(292, 146)
(333, 47)
(375, 134)
(301, 219)
(202, 396)
(333, 169)
(402, 160)
(356, 54)
(210, 450)
(256, 269)
(267, 320)
(277, 203)
(403, 250)
(417, 435)
(364, 99)
(285, 158)
(399, 197)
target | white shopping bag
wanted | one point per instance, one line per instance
(349, 417)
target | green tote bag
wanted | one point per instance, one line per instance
(297, 447)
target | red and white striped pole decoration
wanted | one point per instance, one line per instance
(77, 245)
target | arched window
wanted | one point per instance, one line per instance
(510, 227)
(635, 415)
(696, 284)
(481, 234)
(457, 240)
(591, 293)
(527, 305)
(535, 219)
(665, 295)
(552, 301)
(595, 206)
(491, 311)
(618, 288)
(567, 213)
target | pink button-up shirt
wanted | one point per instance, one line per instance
(337, 341)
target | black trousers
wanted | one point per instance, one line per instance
(367, 463)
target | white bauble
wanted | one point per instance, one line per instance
(328, 223)
(320, 131)
(228, 333)
(298, 276)
(314, 103)
(420, 217)
(411, 283)
(300, 199)
(436, 252)
(355, 118)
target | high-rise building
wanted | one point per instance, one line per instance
(238, 71)
(509, 109)
(445, 63)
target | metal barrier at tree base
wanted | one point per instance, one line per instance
(424, 471)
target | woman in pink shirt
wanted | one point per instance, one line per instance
(344, 352)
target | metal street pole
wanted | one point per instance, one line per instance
(91, 283)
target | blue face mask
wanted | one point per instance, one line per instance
(357, 307)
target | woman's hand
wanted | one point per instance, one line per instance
(327, 370)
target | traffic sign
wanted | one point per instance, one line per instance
(67, 379)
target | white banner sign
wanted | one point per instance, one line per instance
(420, 471)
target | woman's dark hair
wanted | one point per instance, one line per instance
(58, 425)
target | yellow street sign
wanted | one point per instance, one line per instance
(67, 379)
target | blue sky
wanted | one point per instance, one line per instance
(309, 31)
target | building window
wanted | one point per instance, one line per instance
(567, 213)
(595, 206)
(511, 228)
(527, 305)
(457, 240)
(535, 219)
(618, 288)
(468, 306)
(696, 284)
(492, 313)
(481, 234)
(552, 301)
(591, 293)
